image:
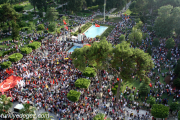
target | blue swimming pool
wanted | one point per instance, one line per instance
(73, 48)
(94, 31)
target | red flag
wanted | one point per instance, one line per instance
(29, 82)
(96, 25)
(92, 19)
(47, 28)
(53, 81)
(64, 22)
(40, 82)
(2, 90)
(66, 27)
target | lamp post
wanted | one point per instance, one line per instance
(104, 9)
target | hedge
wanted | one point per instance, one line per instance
(15, 57)
(35, 45)
(82, 83)
(9, 51)
(89, 72)
(73, 95)
(40, 27)
(5, 64)
(18, 8)
(26, 50)
(107, 31)
(84, 28)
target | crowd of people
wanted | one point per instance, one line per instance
(49, 79)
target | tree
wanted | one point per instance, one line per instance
(178, 115)
(162, 26)
(135, 36)
(176, 17)
(174, 106)
(82, 83)
(152, 100)
(143, 90)
(5, 104)
(100, 116)
(41, 5)
(126, 61)
(169, 55)
(8, 13)
(4, 1)
(160, 111)
(149, 51)
(40, 27)
(76, 5)
(155, 42)
(52, 14)
(169, 43)
(15, 31)
(73, 95)
(177, 68)
(95, 56)
(89, 72)
(122, 37)
(28, 109)
(33, 3)
(145, 35)
(52, 27)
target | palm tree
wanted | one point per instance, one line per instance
(5, 104)
(28, 109)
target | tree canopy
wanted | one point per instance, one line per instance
(160, 111)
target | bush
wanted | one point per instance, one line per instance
(75, 34)
(40, 27)
(15, 57)
(114, 90)
(52, 27)
(35, 45)
(98, 37)
(5, 64)
(82, 83)
(73, 95)
(89, 72)
(107, 31)
(174, 106)
(143, 90)
(22, 24)
(9, 51)
(18, 8)
(93, 7)
(178, 115)
(26, 50)
(122, 38)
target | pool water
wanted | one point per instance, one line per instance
(93, 31)
(73, 48)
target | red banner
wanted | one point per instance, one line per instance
(64, 22)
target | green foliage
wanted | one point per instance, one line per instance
(114, 90)
(162, 27)
(28, 109)
(40, 27)
(178, 115)
(45, 31)
(100, 116)
(107, 17)
(35, 45)
(131, 98)
(160, 111)
(52, 27)
(5, 64)
(73, 95)
(177, 68)
(155, 42)
(15, 57)
(176, 82)
(136, 36)
(89, 72)
(149, 51)
(19, 8)
(26, 50)
(139, 25)
(5, 104)
(9, 51)
(174, 106)
(93, 7)
(15, 31)
(82, 83)
(170, 43)
(107, 31)
(143, 90)
(145, 35)
(122, 37)
(169, 55)
(152, 100)
(98, 37)
(52, 14)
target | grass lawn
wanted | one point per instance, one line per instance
(6, 39)
(111, 19)
(28, 7)
(128, 12)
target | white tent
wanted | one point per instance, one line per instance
(74, 37)
(18, 107)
